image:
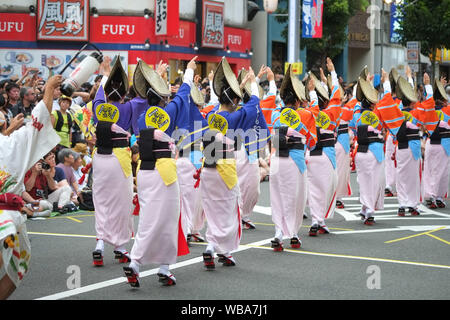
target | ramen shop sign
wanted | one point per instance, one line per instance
(63, 20)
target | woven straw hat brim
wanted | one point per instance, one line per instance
(247, 87)
(364, 73)
(405, 90)
(117, 74)
(145, 76)
(197, 96)
(365, 89)
(223, 74)
(393, 76)
(438, 87)
(291, 82)
(319, 87)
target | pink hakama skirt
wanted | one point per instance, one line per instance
(192, 215)
(322, 183)
(112, 195)
(408, 179)
(435, 172)
(390, 171)
(288, 194)
(156, 240)
(371, 181)
(343, 172)
(249, 184)
(220, 205)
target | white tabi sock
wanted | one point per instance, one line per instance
(164, 269)
(100, 245)
(135, 266)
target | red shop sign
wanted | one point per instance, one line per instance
(167, 17)
(121, 29)
(63, 20)
(238, 40)
(17, 27)
(184, 37)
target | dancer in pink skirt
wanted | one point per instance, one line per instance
(219, 182)
(321, 162)
(437, 149)
(112, 186)
(369, 118)
(288, 172)
(159, 238)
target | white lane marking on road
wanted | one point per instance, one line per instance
(333, 255)
(143, 274)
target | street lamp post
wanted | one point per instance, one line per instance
(293, 31)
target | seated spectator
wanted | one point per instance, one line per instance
(66, 159)
(77, 167)
(47, 186)
(82, 149)
(62, 121)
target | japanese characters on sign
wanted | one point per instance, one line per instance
(213, 24)
(160, 17)
(396, 18)
(63, 20)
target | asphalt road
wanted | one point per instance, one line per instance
(397, 258)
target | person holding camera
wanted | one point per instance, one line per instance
(47, 184)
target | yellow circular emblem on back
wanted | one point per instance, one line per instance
(407, 115)
(107, 112)
(323, 120)
(440, 115)
(218, 122)
(157, 118)
(370, 118)
(290, 118)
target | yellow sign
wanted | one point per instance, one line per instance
(290, 118)
(440, 115)
(407, 115)
(323, 120)
(297, 67)
(157, 118)
(218, 122)
(107, 112)
(370, 118)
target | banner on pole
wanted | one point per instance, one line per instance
(312, 13)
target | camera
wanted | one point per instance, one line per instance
(45, 166)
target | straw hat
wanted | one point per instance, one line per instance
(197, 96)
(63, 97)
(292, 83)
(366, 89)
(330, 86)
(318, 87)
(393, 78)
(224, 77)
(405, 90)
(145, 77)
(118, 75)
(439, 89)
(247, 88)
(364, 73)
(81, 148)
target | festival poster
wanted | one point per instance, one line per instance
(312, 14)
